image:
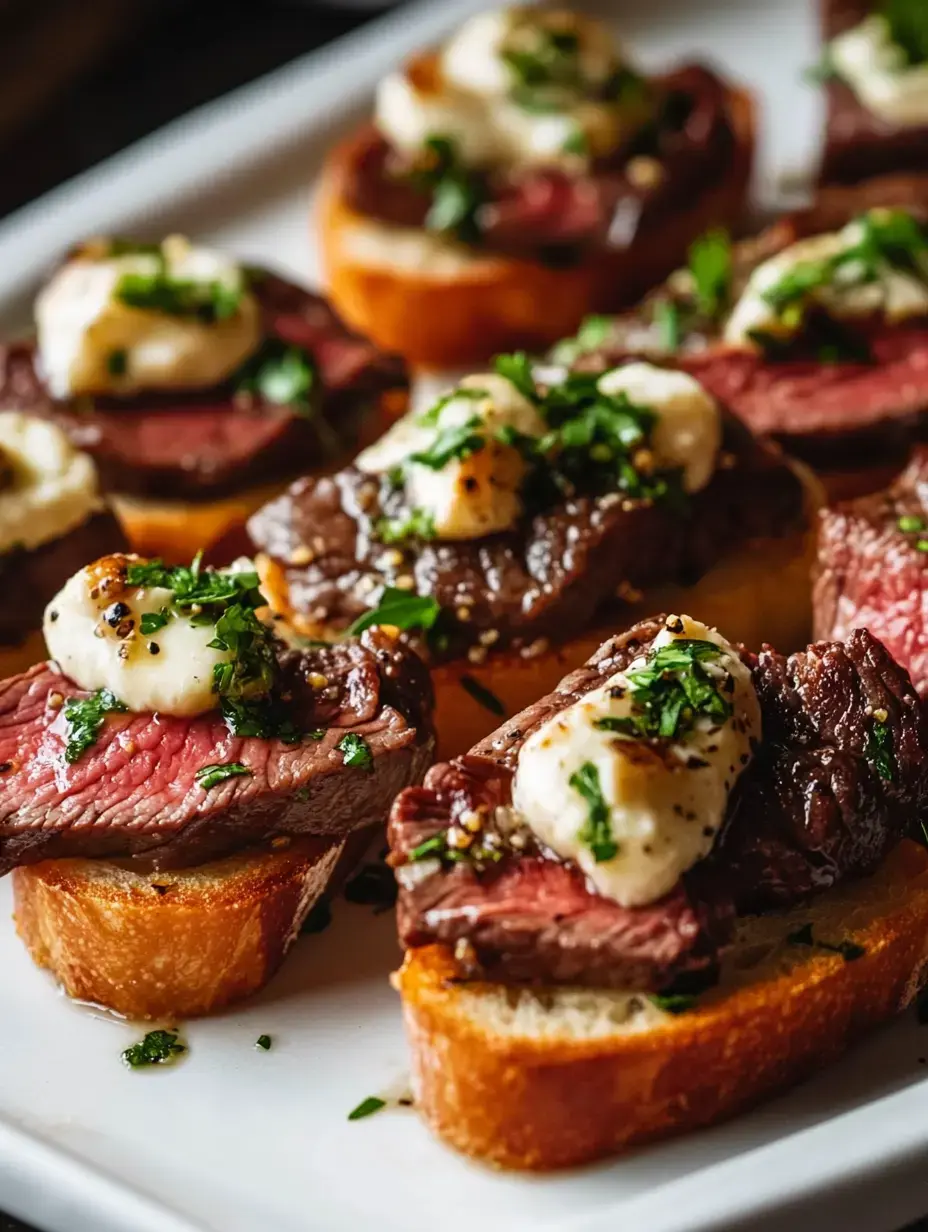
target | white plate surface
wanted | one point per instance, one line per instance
(236, 1140)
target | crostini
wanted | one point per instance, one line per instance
(52, 519)
(502, 526)
(193, 380)
(872, 569)
(814, 332)
(672, 887)
(176, 786)
(874, 71)
(519, 177)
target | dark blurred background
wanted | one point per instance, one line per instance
(81, 79)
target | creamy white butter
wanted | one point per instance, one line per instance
(877, 71)
(665, 804)
(894, 293)
(99, 646)
(688, 428)
(50, 488)
(469, 95)
(467, 497)
(90, 342)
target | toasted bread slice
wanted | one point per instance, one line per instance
(548, 1078)
(169, 945)
(441, 304)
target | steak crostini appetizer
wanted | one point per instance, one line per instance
(176, 785)
(190, 379)
(521, 176)
(502, 526)
(52, 519)
(875, 70)
(672, 887)
(815, 332)
(872, 569)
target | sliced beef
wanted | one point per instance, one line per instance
(872, 573)
(133, 794)
(549, 214)
(818, 804)
(549, 577)
(30, 579)
(202, 443)
(859, 144)
(832, 414)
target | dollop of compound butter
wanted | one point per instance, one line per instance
(47, 487)
(93, 630)
(632, 782)
(118, 318)
(517, 86)
(878, 71)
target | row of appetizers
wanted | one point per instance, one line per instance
(664, 849)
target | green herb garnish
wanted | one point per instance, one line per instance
(400, 609)
(480, 693)
(366, 1108)
(430, 418)
(517, 368)
(456, 193)
(597, 831)
(673, 1002)
(157, 1048)
(879, 750)
(280, 373)
(84, 716)
(850, 951)
(671, 692)
(263, 1042)
(265, 718)
(451, 443)
(669, 325)
(576, 144)
(356, 751)
(908, 27)
(209, 776)
(417, 524)
(710, 267)
(911, 523)
(159, 291)
(151, 622)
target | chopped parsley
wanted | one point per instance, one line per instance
(437, 847)
(280, 373)
(908, 27)
(597, 831)
(209, 776)
(367, 1107)
(671, 692)
(265, 718)
(356, 751)
(710, 267)
(879, 750)
(400, 609)
(157, 1048)
(480, 693)
(593, 333)
(451, 443)
(264, 1043)
(911, 524)
(85, 716)
(673, 1002)
(669, 325)
(430, 418)
(416, 524)
(151, 622)
(456, 194)
(517, 369)
(159, 291)
(850, 951)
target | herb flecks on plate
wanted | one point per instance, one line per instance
(160, 1047)
(367, 1107)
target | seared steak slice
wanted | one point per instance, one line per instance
(840, 776)
(30, 579)
(205, 442)
(872, 573)
(134, 794)
(532, 213)
(549, 577)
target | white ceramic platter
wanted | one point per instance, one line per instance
(237, 1140)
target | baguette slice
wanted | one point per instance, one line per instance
(441, 304)
(169, 945)
(549, 1078)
